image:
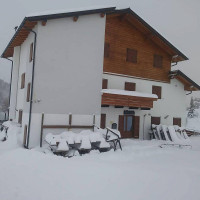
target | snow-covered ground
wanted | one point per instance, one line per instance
(142, 171)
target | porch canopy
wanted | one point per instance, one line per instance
(115, 97)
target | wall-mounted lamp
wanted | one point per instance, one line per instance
(166, 116)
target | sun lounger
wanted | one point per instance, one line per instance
(155, 132)
(177, 140)
(166, 133)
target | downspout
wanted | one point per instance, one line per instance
(10, 84)
(32, 82)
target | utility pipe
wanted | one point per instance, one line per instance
(32, 82)
(10, 84)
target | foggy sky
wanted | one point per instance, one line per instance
(177, 20)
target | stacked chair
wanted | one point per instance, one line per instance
(173, 135)
(68, 143)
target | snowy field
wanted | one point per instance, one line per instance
(142, 171)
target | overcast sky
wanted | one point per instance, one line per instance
(177, 20)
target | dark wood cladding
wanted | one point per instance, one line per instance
(129, 101)
(121, 35)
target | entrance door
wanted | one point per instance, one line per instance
(129, 126)
(126, 126)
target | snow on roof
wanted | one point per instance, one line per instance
(52, 12)
(129, 93)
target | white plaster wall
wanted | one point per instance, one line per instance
(68, 72)
(14, 84)
(55, 119)
(173, 102)
(69, 65)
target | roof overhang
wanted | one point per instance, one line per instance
(127, 14)
(114, 97)
(29, 22)
(189, 85)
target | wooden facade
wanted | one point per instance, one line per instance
(125, 100)
(121, 35)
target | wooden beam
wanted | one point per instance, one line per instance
(102, 15)
(44, 22)
(75, 18)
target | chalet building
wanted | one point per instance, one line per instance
(104, 66)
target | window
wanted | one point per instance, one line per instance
(157, 90)
(31, 53)
(22, 80)
(177, 121)
(103, 121)
(28, 92)
(106, 50)
(104, 83)
(155, 120)
(158, 61)
(131, 55)
(20, 113)
(129, 86)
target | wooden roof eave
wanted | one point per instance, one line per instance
(19, 37)
(189, 85)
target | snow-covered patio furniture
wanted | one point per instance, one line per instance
(58, 145)
(112, 136)
(3, 133)
(177, 139)
(97, 141)
(155, 132)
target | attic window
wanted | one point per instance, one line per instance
(131, 55)
(158, 61)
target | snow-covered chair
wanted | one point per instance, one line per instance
(158, 132)
(166, 133)
(57, 144)
(3, 133)
(113, 137)
(177, 139)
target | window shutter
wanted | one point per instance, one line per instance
(155, 120)
(131, 55)
(121, 124)
(31, 53)
(20, 113)
(104, 83)
(177, 121)
(106, 50)
(25, 134)
(136, 127)
(22, 80)
(157, 90)
(103, 121)
(28, 92)
(130, 86)
(158, 61)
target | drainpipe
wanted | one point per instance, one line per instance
(32, 82)
(10, 84)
